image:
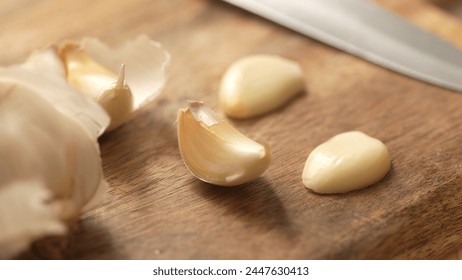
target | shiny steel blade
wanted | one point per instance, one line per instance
(364, 29)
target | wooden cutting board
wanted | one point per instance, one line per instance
(156, 210)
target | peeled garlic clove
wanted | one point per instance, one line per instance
(346, 162)
(216, 152)
(258, 84)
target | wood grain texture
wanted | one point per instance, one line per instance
(156, 210)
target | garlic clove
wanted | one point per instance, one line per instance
(346, 162)
(48, 145)
(117, 101)
(101, 84)
(83, 72)
(146, 62)
(216, 152)
(45, 75)
(258, 84)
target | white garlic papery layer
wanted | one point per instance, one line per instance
(145, 61)
(50, 168)
(216, 152)
(121, 79)
(101, 84)
(43, 73)
(258, 84)
(346, 162)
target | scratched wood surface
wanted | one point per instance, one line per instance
(156, 210)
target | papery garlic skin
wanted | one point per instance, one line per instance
(39, 142)
(49, 150)
(92, 79)
(50, 168)
(258, 84)
(145, 60)
(145, 64)
(346, 162)
(216, 152)
(44, 73)
(26, 214)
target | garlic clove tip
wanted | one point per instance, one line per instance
(121, 78)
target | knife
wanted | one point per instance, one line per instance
(364, 29)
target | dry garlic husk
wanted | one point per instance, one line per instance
(258, 84)
(96, 81)
(44, 75)
(50, 169)
(216, 152)
(346, 162)
(120, 79)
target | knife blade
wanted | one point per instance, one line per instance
(368, 31)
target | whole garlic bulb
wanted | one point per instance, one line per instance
(50, 169)
(50, 166)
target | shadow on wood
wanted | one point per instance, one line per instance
(255, 203)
